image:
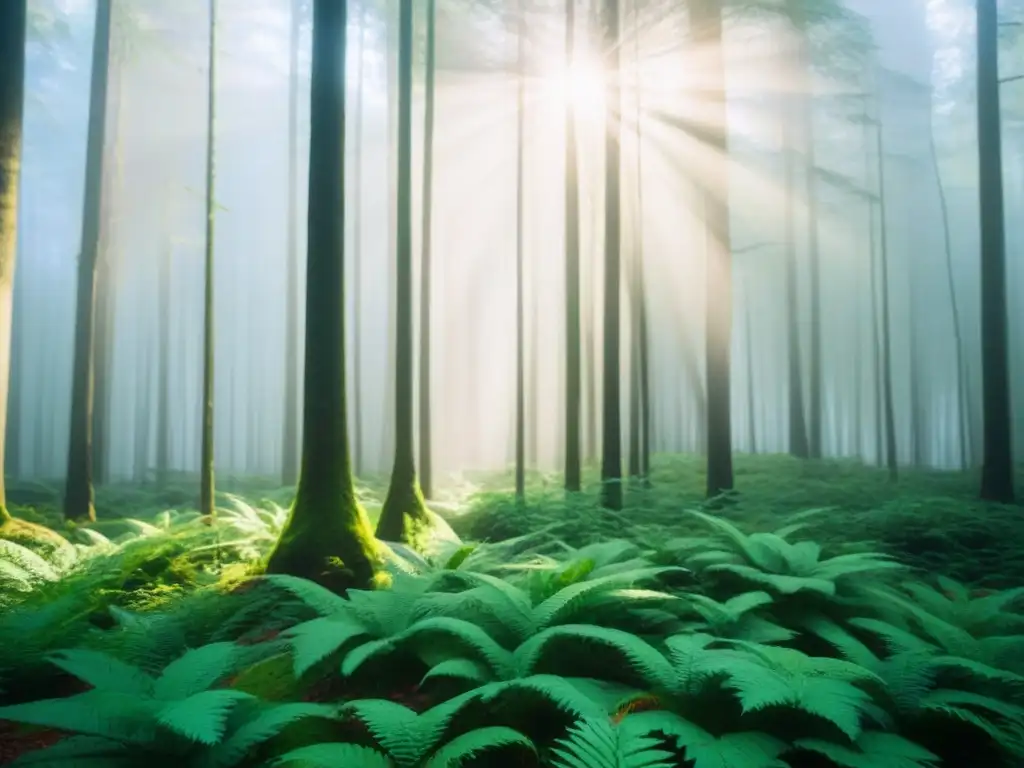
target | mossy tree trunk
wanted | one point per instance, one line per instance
(520, 449)
(290, 426)
(206, 481)
(426, 272)
(357, 253)
(706, 17)
(404, 514)
(611, 422)
(326, 526)
(997, 460)
(78, 492)
(573, 348)
(13, 20)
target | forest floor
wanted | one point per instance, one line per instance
(151, 580)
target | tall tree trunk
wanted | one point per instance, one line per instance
(78, 493)
(520, 459)
(357, 252)
(611, 424)
(798, 441)
(404, 515)
(163, 396)
(13, 20)
(876, 334)
(997, 462)
(573, 348)
(290, 427)
(965, 428)
(426, 271)
(891, 455)
(206, 483)
(643, 382)
(748, 333)
(326, 521)
(706, 17)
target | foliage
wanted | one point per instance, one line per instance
(721, 648)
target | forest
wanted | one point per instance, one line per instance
(556, 383)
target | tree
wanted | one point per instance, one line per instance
(206, 482)
(78, 492)
(13, 21)
(357, 249)
(997, 461)
(404, 515)
(520, 449)
(326, 526)
(706, 19)
(611, 426)
(573, 349)
(290, 427)
(426, 449)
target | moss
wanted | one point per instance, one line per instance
(38, 538)
(405, 516)
(334, 548)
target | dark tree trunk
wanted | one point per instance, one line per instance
(749, 348)
(573, 349)
(611, 424)
(404, 515)
(290, 427)
(78, 493)
(357, 253)
(426, 271)
(13, 20)
(326, 520)
(706, 17)
(997, 462)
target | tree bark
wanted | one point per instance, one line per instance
(404, 515)
(206, 479)
(326, 521)
(13, 20)
(426, 259)
(997, 462)
(573, 348)
(78, 493)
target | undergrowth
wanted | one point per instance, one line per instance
(673, 636)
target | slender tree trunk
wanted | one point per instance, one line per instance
(997, 462)
(964, 426)
(357, 253)
(748, 333)
(707, 18)
(78, 494)
(326, 523)
(611, 424)
(643, 348)
(891, 457)
(163, 396)
(13, 20)
(573, 349)
(798, 441)
(404, 515)
(426, 272)
(520, 468)
(206, 482)
(290, 427)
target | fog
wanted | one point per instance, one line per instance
(153, 208)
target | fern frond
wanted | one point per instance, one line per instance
(595, 743)
(313, 641)
(468, 746)
(265, 726)
(104, 672)
(105, 714)
(647, 662)
(748, 749)
(202, 717)
(320, 599)
(332, 756)
(873, 749)
(196, 670)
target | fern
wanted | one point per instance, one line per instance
(749, 749)
(595, 743)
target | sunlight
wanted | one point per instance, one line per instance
(580, 86)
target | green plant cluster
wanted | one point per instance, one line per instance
(718, 650)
